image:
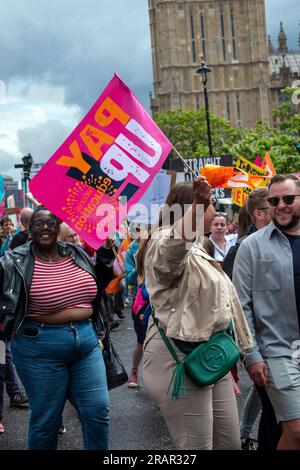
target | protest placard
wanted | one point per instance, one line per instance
(148, 207)
(104, 166)
(240, 195)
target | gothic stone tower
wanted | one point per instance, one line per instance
(231, 36)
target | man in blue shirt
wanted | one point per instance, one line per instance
(266, 275)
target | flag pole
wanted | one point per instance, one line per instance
(114, 251)
(185, 163)
(116, 257)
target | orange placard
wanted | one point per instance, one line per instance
(230, 177)
(268, 165)
(114, 286)
(217, 175)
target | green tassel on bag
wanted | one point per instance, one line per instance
(179, 381)
(178, 378)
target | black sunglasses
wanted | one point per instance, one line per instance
(51, 223)
(289, 199)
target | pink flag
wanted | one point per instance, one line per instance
(257, 161)
(104, 166)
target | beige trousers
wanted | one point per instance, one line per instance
(206, 419)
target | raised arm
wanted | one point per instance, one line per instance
(31, 199)
(169, 246)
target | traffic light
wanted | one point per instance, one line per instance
(27, 164)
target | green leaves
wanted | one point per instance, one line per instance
(188, 133)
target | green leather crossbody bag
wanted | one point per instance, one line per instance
(206, 364)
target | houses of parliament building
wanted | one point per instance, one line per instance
(230, 36)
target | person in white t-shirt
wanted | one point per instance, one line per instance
(222, 242)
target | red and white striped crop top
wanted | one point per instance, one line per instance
(58, 286)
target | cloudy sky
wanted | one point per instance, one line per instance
(56, 56)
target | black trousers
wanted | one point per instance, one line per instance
(269, 431)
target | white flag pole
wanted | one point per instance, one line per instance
(185, 163)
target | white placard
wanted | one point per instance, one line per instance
(146, 211)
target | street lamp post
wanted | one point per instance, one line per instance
(204, 70)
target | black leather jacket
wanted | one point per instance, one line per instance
(16, 271)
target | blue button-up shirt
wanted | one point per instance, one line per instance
(264, 279)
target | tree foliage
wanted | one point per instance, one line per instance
(188, 133)
(286, 110)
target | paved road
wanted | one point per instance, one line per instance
(136, 424)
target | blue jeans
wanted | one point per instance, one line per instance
(56, 362)
(252, 409)
(8, 376)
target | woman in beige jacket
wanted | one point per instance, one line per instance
(192, 298)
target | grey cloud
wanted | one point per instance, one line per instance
(77, 45)
(43, 140)
(6, 162)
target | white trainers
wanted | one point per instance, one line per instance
(62, 429)
(132, 381)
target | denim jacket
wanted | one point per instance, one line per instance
(130, 265)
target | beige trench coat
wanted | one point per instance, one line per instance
(192, 296)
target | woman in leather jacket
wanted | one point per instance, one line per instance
(49, 293)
